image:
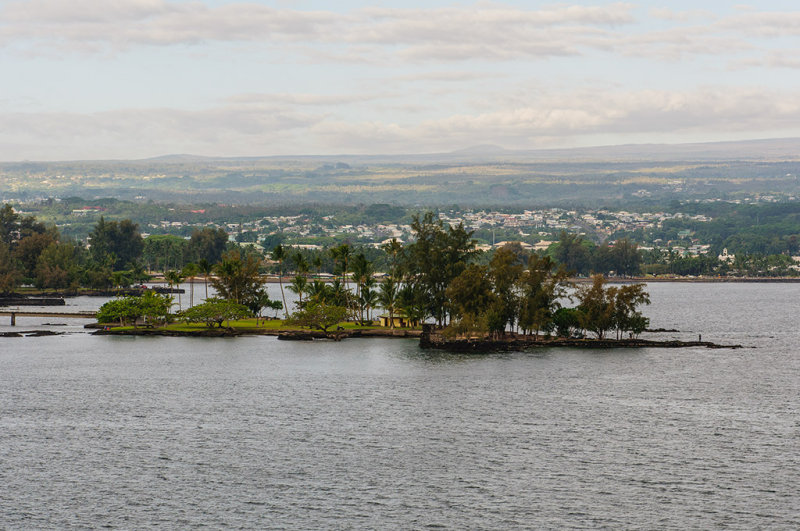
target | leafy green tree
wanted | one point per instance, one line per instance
(567, 321)
(435, 258)
(124, 310)
(542, 285)
(58, 267)
(14, 227)
(215, 311)
(470, 293)
(151, 306)
(596, 307)
(573, 251)
(626, 257)
(119, 241)
(97, 275)
(626, 317)
(259, 300)
(29, 248)
(318, 315)
(154, 306)
(165, 251)
(208, 244)
(237, 276)
(505, 271)
(8, 224)
(10, 275)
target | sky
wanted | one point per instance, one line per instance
(129, 79)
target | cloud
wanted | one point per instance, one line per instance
(271, 100)
(773, 59)
(680, 16)
(481, 31)
(455, 33)
(248, 128)
(764, 24)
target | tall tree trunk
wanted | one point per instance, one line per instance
(283, 296)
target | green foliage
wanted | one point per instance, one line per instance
(215, 311)
(165, 251)
(470, 293)
(615, 308)
(469, 326)
(119, 242)
(437, 256)
(542, 285)
(566, 321)
(10, 275)
(237, 276)
(318, 315)
(208, 244)
(151, 306)
(596, 307)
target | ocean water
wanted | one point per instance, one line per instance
(254, 433)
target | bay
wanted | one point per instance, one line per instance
(254, 433)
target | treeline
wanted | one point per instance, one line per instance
(435, 278)
(32, 253)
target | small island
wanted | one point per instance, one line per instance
(437, 289)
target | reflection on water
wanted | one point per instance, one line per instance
(375, 433)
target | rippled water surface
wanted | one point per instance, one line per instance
(377, 434)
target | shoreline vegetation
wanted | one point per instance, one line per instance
(429, 338)
(439, 281)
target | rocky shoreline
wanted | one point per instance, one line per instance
(434, 341)
(427, 339)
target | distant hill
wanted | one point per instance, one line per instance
(764, 149)
(477, 175)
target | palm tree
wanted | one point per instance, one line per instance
(205, 268)
(369, 297)
(388, 298)
(317, 263)
(299, 285)
(318, 291)
(279, 255)
(342, 253)
(394, 249)
(174, 278)
(190, 271)
(300, 263)
(362, 273)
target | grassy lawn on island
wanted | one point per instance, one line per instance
(249, 324)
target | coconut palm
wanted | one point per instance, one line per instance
(279, 255)
(205, 268)
(299, 286)
(190, 271)
(388, 298)
(174, 278)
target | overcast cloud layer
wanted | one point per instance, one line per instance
(90, 79)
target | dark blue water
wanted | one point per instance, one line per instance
(373, 434)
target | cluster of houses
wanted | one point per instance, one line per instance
(532, 229)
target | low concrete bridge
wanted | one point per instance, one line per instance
(66, 315)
